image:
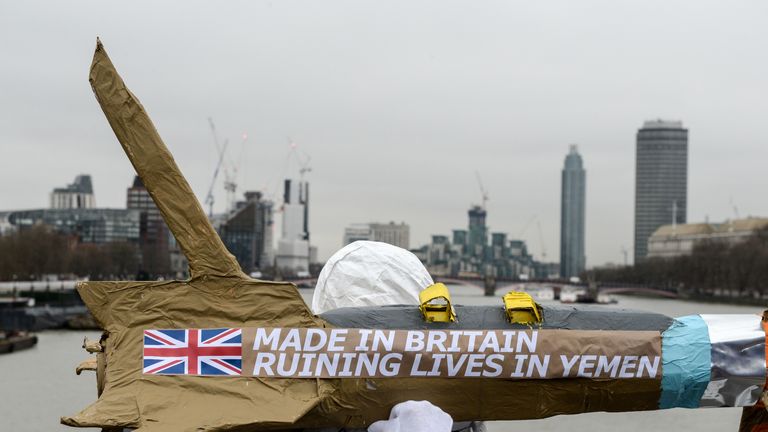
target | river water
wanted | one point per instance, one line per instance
(39, 385)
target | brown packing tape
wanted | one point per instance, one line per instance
(364, 401)
(124, 309)
(157, 169)
(220, 295)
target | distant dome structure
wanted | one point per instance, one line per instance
(368, 273)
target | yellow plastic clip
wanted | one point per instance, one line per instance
(521, 309)
(436, 304)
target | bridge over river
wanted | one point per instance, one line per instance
(494, 286)
(505, 285)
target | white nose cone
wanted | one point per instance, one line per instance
(366, 273)
(414, 416)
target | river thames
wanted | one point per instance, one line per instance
(39, 385)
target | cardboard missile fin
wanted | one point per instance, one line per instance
(218, 295)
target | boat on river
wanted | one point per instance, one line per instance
(16, 341)
(14, 338)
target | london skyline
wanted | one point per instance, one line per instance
(457, 89)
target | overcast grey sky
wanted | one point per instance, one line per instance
(398, 103)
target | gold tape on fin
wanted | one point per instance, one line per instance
(435, 304)
(161, 176)
(521, 309)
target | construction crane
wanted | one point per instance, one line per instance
(303, 161)
(535, 218)
(230, 168)
(527, 225)
(230, 176)
(209, 197)
(483, 192)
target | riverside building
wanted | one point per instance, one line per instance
(78, 195)
(670, 241)
(392, 233)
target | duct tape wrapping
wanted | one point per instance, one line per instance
(738, 360)
(581, 317)
(686, 363)
(713, 361)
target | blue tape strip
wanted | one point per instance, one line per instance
(686, 357)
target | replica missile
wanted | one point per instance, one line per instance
(221, 351)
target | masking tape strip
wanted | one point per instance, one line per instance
(686, 363)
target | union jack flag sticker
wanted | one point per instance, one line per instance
(193, 352)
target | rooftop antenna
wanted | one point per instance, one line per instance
(735, 215)
(625, 253)
(735, 209)
(674, 217)
(541, 240)
(483, 192)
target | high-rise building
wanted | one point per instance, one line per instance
(438, 253)
(661, 179)
(392, 233)
(160, 254)
(460, 237)
(499, 245)
(478, 232)
(572, 212)
(78, 195)
(247, 233)
(293, 246)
